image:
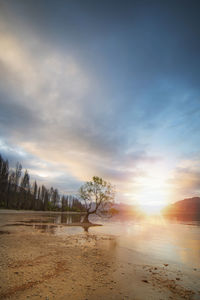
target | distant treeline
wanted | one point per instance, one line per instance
(17, 192)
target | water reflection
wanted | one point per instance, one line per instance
(55, 223)
(158, 238)
(165, 239)
(67, 218)
(45, 228)
(185, 218)
(56, 219)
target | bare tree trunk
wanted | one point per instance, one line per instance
(86, 218)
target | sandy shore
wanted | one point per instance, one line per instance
(36, 265)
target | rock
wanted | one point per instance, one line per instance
(146, 281)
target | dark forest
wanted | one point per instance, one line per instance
(17, 192)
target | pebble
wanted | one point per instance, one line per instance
(146, 281)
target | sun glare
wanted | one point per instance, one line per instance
(152, 202)
(153, 209)
(153, 194)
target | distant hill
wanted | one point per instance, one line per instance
(123, 207)
(185, 208)
(127, 210)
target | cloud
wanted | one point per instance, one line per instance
(85, 94)
(44, 172)
(44, 110)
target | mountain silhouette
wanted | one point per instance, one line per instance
(187, 208)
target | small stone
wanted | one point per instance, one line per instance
(146, 281)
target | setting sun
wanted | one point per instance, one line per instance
(152, 201)
(153, 194)
(152, 209)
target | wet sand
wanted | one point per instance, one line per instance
(39, 265)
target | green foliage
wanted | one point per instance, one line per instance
(98, 195)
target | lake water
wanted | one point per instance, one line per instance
(156, 237)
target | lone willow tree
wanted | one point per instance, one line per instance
(98, 196)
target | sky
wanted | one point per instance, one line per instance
(104, 88)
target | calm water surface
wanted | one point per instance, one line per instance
(166, 240)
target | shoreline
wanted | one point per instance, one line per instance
(3, 210)
(36, 265)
